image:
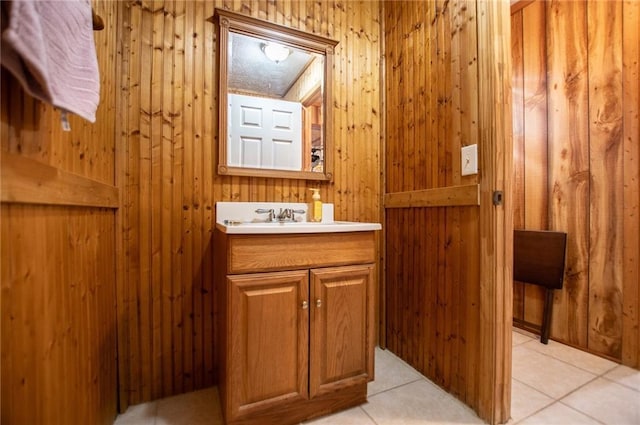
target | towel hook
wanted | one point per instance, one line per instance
(98, 23)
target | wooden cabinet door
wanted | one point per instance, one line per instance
(268, 339)
(342, 331)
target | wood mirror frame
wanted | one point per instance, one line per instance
(229, 22)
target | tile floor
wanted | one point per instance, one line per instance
(552, 384)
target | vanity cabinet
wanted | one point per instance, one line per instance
(297, 324)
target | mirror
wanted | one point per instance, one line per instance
(275, 118)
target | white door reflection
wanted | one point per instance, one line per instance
(264, 133)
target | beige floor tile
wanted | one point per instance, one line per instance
(520, 338)
(140, 414)
(578, 358)
(195, 408)
(354, 416)
(390, 372)
(625, 376)
(400, 395)
(607, 401)
(559, 414)
(419, 402)
(547, 374)
(526, 400)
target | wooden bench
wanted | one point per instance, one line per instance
(538, 258)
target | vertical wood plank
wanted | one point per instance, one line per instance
(208, 143)
(631, 190)
(438, 173)
(535, 139)
(448, 242)
(409, 283)
(145, 212)
(156, 183)
(198, 207)
(433, 76)
(188, 202)
(132, 215)
(166, 190)
(517, 79)
(122, 14)
(569, 161)
(606, 193)
(470, 244)
(496, 222)
(177, 222)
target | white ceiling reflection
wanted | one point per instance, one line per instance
(250, 71)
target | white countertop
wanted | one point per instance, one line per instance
(301, 227)
(241, 218)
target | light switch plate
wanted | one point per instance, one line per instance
(469, 163)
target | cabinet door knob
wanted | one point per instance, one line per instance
(318, 303)
(305, 305)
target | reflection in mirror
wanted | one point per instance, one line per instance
(273, 86)
(275, 101)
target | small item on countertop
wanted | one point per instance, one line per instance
(316, 206)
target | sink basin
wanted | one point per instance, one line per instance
(296, 227)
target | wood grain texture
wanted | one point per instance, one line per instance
(569, 161)
(631, 190)
(535, 140)
(58, 262)
(496, 220)
(518, 5)
(438, 197)
(250, 253)
(324, 322)
(517, 83)
(58, 315)
(606, 232)
(269, 341)
(169, 108)
(592, 68)
(342, 339)
(28, 181)
(434, 304)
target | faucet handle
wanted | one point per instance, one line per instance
(266, 211)
(294, 212)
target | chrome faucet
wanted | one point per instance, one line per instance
(285, 215)
(288, 214)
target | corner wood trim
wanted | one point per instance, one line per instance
(26, 181)
(450, 196)
(517, 6)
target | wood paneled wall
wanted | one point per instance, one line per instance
(169, 113)
(576, 131)
(443, 298)
(425, 247)
(58, 315)
(58, 265)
